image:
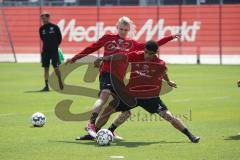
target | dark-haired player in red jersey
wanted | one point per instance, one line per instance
(146, 70)
(112, 43)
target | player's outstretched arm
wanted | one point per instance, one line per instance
(141, 46)
(90, 49)
(169, 82)
(168, 38)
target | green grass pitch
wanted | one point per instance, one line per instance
(207, 99)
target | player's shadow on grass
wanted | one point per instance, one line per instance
(236, 137)
(73, 142)
(138, 144)
(117, 143)
(36, 91)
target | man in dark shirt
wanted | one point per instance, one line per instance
(51, 37)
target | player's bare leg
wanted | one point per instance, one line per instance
(46, 76)
(102, 120)
(120, 119)
(103, 97)
(91, 127)
(58, 73)
(178, 124)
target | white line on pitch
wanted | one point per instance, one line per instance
(13, 114)
(7, 114)
(117, 157)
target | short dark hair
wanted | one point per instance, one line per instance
(46, 15)
(151, 46)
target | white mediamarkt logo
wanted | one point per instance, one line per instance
(90, 34)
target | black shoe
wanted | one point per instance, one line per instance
(195, 139)
(85, 137)
(45, 89)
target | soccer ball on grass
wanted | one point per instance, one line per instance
(104, 137)
(38, 119)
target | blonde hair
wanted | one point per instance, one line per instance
(127, 21)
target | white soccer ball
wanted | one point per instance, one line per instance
(104, 137)
(38, 119)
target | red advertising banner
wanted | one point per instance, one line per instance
(206, 29)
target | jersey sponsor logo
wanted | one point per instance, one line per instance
(111, 46)
(143, 74)
(75, 33)
(122, 45)
(143, 70)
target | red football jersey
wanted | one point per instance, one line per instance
(146, 76)
(145, 79)
(113, 44)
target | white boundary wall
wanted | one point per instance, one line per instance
(173, 59)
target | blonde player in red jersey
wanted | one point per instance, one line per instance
(121, 42)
